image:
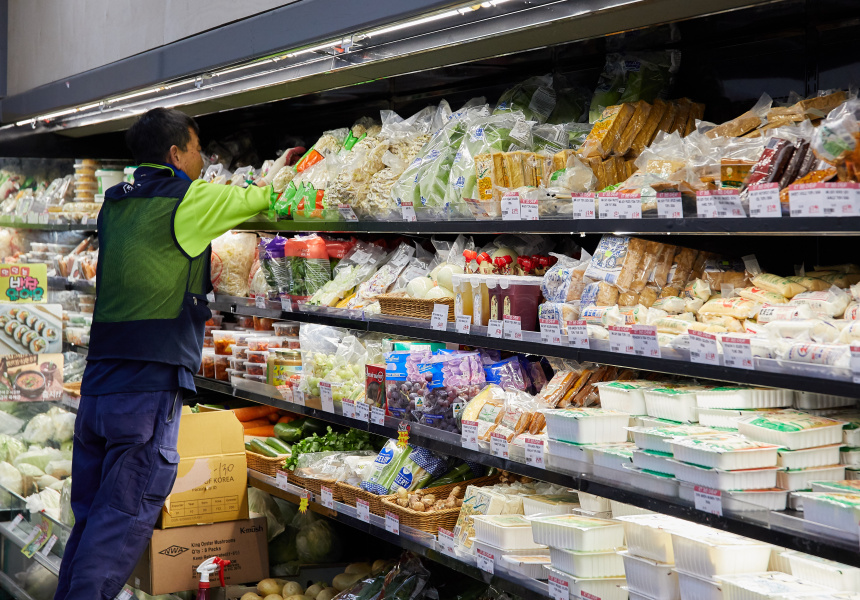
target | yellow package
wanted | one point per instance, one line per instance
(759, 295)
(697, 289)
(739, 308)
(780, 285)
(730, 323)
(607, 130)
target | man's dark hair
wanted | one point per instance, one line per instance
(152, 135)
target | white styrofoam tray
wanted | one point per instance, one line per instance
(742, 500)
(497, 552)
(575, 532)
(613, 456)
(504, 531)
(831, 509)
(823, 435)
(649, 536)
(593, 503)
(586, 425)
(624, 396)
(587, 564)
(808, 458)
(652, 578)
(824, 572)
(657, 438)
(531, 565)
(660, 485)
(620, 509)
(556, 504)
(802, 479)
(705, 553)
(751, 479)
(850, 457)
(812, 401)
(697, 588)
(674, 405)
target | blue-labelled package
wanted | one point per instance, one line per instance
(505, 374)
(446, 383)
(478, 470)
(489, 356)
(420, 467)
(379, 477)
(400, 393)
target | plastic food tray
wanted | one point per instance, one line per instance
(553, 462)
(586, 425)
(657, 438)
(655, 483)
(769, 586)
(839, 487)
(587, 564)
(558, 504)
(812, 401)
(744, 398)
(652, 578)
(823, 572)
(652, 461)
(716, 452)
(605, 588)
(593, 503)
(504, 531)
(649, 536)
(620, 509)
(823, 435)
(529, 565)
(851, 437)
(613, 456)
(742, 500)
(802, 478)
(707, 552)
(751, 479)
(697, 588)
(569, 450)
(497, 553)
(809, 458)
(574, 532)
(850, 457)
(673, 404)
(624, 396)
(725, 418)
(831, 509)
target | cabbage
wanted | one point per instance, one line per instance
(39, 430)
(59, 468)
(283, 549)
(261, 503)
(318, 543)
(11, 478)
(38, 457)
(46, 481)
(38, 582)
(10, 447)
(64, 424)
(47, 500)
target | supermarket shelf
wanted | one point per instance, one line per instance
(50, 562)
(49, 226)
(750, 226)
(61, 283)
(417, 328)
(786, 529)
(414, 540)
(16, 591)
(82, 350)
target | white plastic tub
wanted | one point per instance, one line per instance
(593, 503)
(624, 396)
(557, 504)
(743, 397)
(726, 418)
(575, 532)
(831, 509)
(620, 509)
(697, 588)
(742, 500)
(851, 435)
(751, 479)
(809, 458)
(652, 578)
(657, 438)
(568, 450)
(792, 429)
(497, 553)
(813, 401)
(654, 483)
(706, 553)
(675, 404)
(661, 462)
(726, 451)
(604, 588)
(529, 566)
(586, 425)
(587, 564)
(769, 586)
(613, 456)
(846, 486)
(824, 572)
(650, 536)
(802, 479)
(504, 531)
(850, 457)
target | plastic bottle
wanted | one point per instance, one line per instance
(208, 566)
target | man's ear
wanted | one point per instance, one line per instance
(173, 154)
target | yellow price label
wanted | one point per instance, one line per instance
(403, 436)
(303, 505)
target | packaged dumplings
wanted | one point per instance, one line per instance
(780, 285)
(739, 308)
(831, 303)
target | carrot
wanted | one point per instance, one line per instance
(255, 423)
(287, 419)
(249, 413)
(273, 417)
(265, 431)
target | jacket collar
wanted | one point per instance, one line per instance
(158, 170)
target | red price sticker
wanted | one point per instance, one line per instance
(534, 453)
(326, 396)
(620, 339)
(362, 510)
(392, 523)
(326, 497)
(486, 561)
(349, 409)
(703, 348)
(439, 318)
(737, 352)
(495, 328)
(510, 206)
(463, 324)
(584, 205)
(513, 328)
(764, 200)
(550, 332)
(558, 588)
(645, 341)
(377, 415)
(281, 480)
(445, 540)
(499, 445)
(577, 334)
(362, 411)
(669, 205)
(529, 209)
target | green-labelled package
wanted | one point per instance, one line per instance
(633, 77)
(535, 98)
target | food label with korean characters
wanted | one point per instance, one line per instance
(346, 212)
(550, 331)
(620, 339)
(348, 409)
(463, 324)
(31, 377)
(534, 453)
(737, 352)
(377, 415)
(529, 209)
(495, 328)
(764, 200)
(408, 211)
(708, 500)
(855, 362)
(24, 283)
(558, 588)
(807, 199)
(326, 396)
(577, 334)
(719, 204)
(469, 435)
(439, 318)
(645, 340)
(498, 445)
(362, 411)
(513, 328)
(703, 348)
(511, 207)
(445, 540)
(584, 205)
(669, 205)
(486, 561)
(281, 480)
(362, 510)
(392, 523)
(326, 497)
(842, 199)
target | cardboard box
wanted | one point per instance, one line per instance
(212, 483)
(170, 561)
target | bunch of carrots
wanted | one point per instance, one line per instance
(261, 420)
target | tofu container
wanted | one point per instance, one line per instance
(809, 458)
(726, 451)
(650, 536)
(675, 404)
(801, 479)
(604, 588)
(587, 564)
(660, 484)
(706, 553)
(497, 553)
(620, 509)
(836, 510)
(504, 531)
(850, 457)
(586, 425)
(575, 532)
(792, 429)
(698, 588)
(769, 586)
(657, 438)
(725, 418)
(750, 479)
(823, 572)
(742, 397)
(649, 460)
(569, 450)
(528, 565)
(651, 578)
(593, 503)
(742, 500)
(813, 401)
(624, 396)
(554, 504)
(613, 456)
(846, 486)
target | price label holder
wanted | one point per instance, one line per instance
(708, 500)
(377, 415)
(486, 561)
(855, 366)
(463, 324)
(13, 525)
(513, 328)
(737, 352)
(31, 536)
(584, 205)
(281, 480)
(703, 348)
(534, 453)
(558, 588)
(719, 204)
(669, 205)
(392, 523)
(550, 332)
(842, 199)
(445, 541)
(348, 409)
(326, 497)
(362, 411)
(764, 200)
(511, 207)
(125, 594)
(607, 203)
(529, 209)
(326, 396)
(645, 341)
(806, 199)
(286, 304)
(577, 334)
(407, 210)
(495, 328)
(620, 339)
(46, 550)
(498, 445)
(346, 212)
(469, 436)
(362, 510)
(439, 318)
(260, 301)
(629, 206)
(298, 396)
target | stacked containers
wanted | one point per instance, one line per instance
(649, 561)
(674, 403)
(507, 540)
(590, 428)
(724, 406)
(653, 452)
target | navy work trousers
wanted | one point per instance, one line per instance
(125, 462)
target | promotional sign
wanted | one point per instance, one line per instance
(30, 328)
(31, 377)
(24, 283)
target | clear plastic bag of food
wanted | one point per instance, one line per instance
(506, 374)
(535, 98)
(356, 267)
(319, 345)
(232, 257)
(633, 77)
(346, 370)
(448, 382)
(381, 281)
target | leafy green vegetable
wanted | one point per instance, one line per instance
(353, 439)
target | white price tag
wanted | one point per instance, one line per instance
(708, 500)
(843, 199)
(346, 212)
(281, 480)
(49, 545)
(464, 324)
(260, 301)
(764, 200)
(408, 211)
(558, 588)
(513, 328)
(855, 367)
(719, 204)
(286, 304)
(326, 396)
(348, 409)
(737, 352)
(326, 497)
(499, 445)
(806, 199)
(705, 207)
(529, 209)
(583, 205)
(669, 205)
(362, 411)
(629, 206)
(73, 402)
(439, 318)
(620, 339)
(16, 521)
(125, 594)
(392, 523)
(577, 334)
(645, 341)
(703, 348)
(377, 415)
(445, 540)
(606, 204)
(511, 207)
(486, 561)
(362, 510)
(534, 453)
(469, 435)
(495, 327)
(550, 331)
(298, 396)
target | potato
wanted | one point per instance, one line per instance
(298, 597)
(378, 565)
(314, 590)
(362, 568)
(292, 588)
(250, 596)
(344, 580)
(327, 594)
(273, 597)
(268, 587)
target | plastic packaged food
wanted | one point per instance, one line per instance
(255, 368)
(232, 257)
(575, 532)
(504, 531)
(743, 398)
(724, 451)
(656, 462)
(529, 566)
(674, 404)
(586, 425)
(706, 553)
(557, 504)
(739, 308)
(792, 429)
(768, 586)
(751, 479)
(801, 479)
(829, 303)
(651, 578)
(823, 572)
(650, 536)
(447, 383)
(587, 564)
(208, 364)
(657, 438)
(498, 553)
(605, 588)
(222, 363)
(820, 456)
(624, 396)
(698, 587)
(259, 356)
(780, 312)
(224, 341)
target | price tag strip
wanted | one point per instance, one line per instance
(281, 480)
(362, 510)
(326, 396)
(445, 541)
(348, 409)
(550, 332)
(737, 352)
(407, 210)
(708, 500)
(584, 205)
(558, 588)
(645, 341)
(764, 200)
(362, 411)
(495, 328)
(529, 209)
(260, 301)
(326, 497)
(620, 339)
(534, 453)
(499, 445)
(377, 415)
(669, 205)
(392, 523)
(486, 561)
(510, 206)
(464, 324)
(513, 328)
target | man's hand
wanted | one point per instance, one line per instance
(287, 158)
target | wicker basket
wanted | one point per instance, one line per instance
(264, 464)
(313, 485)
(418, 308)
(350, 493)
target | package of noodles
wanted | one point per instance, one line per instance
(232, 257)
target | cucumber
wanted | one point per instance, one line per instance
(248, 447)
(290, 432)
(279, 446)
(260, 448)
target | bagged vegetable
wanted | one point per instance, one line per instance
(309, 266)
(418, 469)
(319, 345)
(535, 98)
(12, 480)
(10, 447)
(346, 372)
(447, 383)
(380, 476)
(632, 77)
(232, 256)
(356, 267)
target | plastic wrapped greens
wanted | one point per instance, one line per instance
(535, 98)
(356, 267)
(379, 478)
(632, 77)
(309, 266)
(420, 467)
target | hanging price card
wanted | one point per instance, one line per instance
(511, 207)
(392, 523)
(326, 396)
(529, 209)
(495, 327)
(408, 211)
(362, 411)
(577, 334)
(513, 328)
(499, 445)
(620, 339)
(305, 497)
(348, 409)
(486, 561)
(558, 588)
(584, 205)
(362, 510)
(16, 521)
(764, 200)
(534, 453)
(855, 365)
(645, 341)
(346, 212)
(463, 323)
(445, 540)
(737, 352)
(46, 550)
(550, 331)
(326, 497)
(281, 480)
(260, 301)
(703, 348)
(669, 205)
(708, 500)
(377, 415)
(469, 436)
(439, 318)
